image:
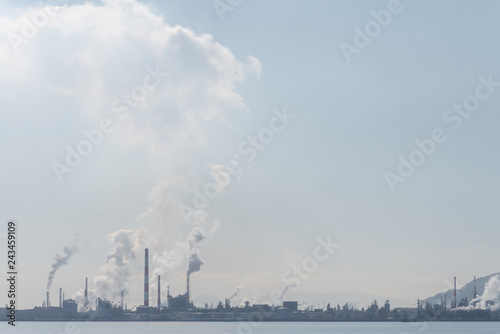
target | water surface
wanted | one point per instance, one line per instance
(249, 328)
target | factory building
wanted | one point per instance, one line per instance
(181, 308)
(180, 302)
(291, 305)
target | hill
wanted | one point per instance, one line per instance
(465, 291)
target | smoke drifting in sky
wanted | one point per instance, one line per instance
(491, 296)
(194, 256)
(62, 260)
(490, 299)
(289, 286)
(235, 292)
(170, 129)
(127, 244)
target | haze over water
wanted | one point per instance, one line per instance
(266, 328)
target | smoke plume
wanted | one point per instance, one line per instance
(61, 260)
(127, 244)
(197, 114)
(490, 299)
(235, 292)
(289, 286)
(491, 294)
(194, 257)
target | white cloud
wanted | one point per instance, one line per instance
(67, 75)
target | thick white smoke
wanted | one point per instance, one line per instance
(175, 129)
(125, 242)
(194, 256)
(490, 299)
(115, 272)
(127, 246)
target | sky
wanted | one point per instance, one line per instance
(371, 124)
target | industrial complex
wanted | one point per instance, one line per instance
(181, 308)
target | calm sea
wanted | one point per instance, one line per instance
(236, 328)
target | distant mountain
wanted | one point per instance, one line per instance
(465, 291)
(314, 299)
(354, 298)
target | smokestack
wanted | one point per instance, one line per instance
(146, 277)
(48, 302)
(60, 297)
(474, 292)
(187, 290)
(455, 293)
(159, 294)
(168, 295)
(121, 302)
(63, 298)
(86, 290)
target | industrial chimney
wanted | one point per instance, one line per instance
(455, 292)
(48, 302)
(86, 291)
(159, 294)
(146, 278)
(187, 293)
(60, 297)
(474, 292)
(121, 300)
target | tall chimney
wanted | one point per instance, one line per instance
(455, 293)
(146, 278)
(60, 297)
(63, 298)
(474, 292)
(121, 300)
(48, 302)
(159, 294)
(187, 291)
(86, 290)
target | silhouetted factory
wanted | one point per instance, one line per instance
(181, 308)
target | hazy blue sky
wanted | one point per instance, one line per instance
(324, 174)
